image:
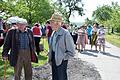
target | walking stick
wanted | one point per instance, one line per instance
(5, 69)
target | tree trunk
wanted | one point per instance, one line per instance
(108, 30)
(69, 14)
(112, 30)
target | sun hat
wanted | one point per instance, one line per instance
(56, 17)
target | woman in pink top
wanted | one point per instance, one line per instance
(82, 38)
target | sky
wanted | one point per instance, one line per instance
(89, 7)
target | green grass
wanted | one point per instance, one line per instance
(113, 39)
(9, 69)
(42, 59)
(43, 55)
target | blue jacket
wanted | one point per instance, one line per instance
(64, 47)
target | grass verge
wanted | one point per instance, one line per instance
(113, 39)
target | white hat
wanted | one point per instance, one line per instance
(13, 19)
(22, 21)
(8, 22)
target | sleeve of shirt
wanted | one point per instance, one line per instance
(69, 44)
(32, 29)
(98, 32)
(7, 44)
(40, 32)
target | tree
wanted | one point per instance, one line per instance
(115, 20)
(109, 16)
(32, 10)
(102, 13)
(68, 7)
(88, 21)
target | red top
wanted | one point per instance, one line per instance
(36, 30)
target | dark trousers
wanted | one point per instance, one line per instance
(23, 61)
(37, 41)
(59, 72)
(89, 37)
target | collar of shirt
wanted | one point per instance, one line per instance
(21, 31)
(58, 31)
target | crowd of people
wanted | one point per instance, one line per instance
(92, 35)
(23, 44)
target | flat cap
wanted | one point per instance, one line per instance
(22, 21)
(13, 20)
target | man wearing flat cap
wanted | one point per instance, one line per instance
(20, 42)
(13, 21)
(61, 48)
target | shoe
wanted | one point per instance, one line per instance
(75, 47)
(81, 50)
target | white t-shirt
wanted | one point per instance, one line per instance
(101, 33)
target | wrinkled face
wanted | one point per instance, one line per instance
(21, 26)
(55, 24)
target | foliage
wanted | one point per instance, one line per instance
(32, 10)
(88, 21)
(68, 7)
(115, 20)
(109, 16)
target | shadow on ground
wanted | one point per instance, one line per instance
(110, 55)
(89, 53)
(95, 53)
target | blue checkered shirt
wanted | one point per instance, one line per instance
(24, 40)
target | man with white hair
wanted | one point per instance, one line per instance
(20, 42)
(13, 21)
